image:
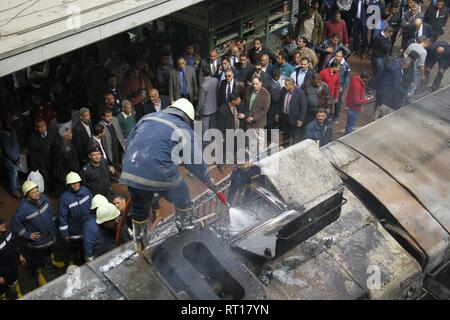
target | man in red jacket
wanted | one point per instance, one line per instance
(337, 25)
(356, 98)
(331, 77)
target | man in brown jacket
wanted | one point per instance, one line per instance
(257, 103)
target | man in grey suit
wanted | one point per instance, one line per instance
(113, 139)
(183, 82)
(207, 99)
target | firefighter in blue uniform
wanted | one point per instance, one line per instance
(90, 228)
(149, 166)
(9, 264)
(74, 208)
(34, 221)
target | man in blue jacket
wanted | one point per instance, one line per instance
(151, 165)
(318, 130)
(90, 227)
(34, 221)
(74, 208)
(11, 153)
(344, 80)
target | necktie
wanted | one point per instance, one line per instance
(417, 34)
(228, 90)
(437, 13)
(213, 68)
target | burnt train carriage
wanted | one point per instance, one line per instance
(365, 217)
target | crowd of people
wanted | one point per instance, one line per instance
(302, 87)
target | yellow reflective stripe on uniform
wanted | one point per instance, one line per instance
(76, 237)
(63, 228)
(22, 232)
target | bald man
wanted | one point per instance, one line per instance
(156, 103)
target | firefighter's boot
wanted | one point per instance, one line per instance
(183, 218)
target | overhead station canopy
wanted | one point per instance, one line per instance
(32, 31)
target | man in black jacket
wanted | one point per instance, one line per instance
(95, 173)
(415, 31)
(291, 112)
(82, 134)
(66, 158)
(39, 149)
(244, 67)
(9, 264)
(227, 119)
(381, 46)
(437, 16)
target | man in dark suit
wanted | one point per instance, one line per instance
(82, 134)
(227, 119)
(267, 67)
(228, 86)
(255, 53)
(213, 63)
(291, 112)
(225, 65)
(303, 74)
(418, 29)
(437, 16)
(274, 89)
(207, 101)
(183, 82)
(156, 103)
(257, 104)
(244, 67)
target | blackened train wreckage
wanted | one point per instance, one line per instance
(365, 217)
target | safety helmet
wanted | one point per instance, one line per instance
(28, 186)
(98, 200)
(186, 106)
(106, 212)
(72, 177)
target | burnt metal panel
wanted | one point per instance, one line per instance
(137, 279)
(405, 209)
(319, 278)
(379, 264)
(198, 265)
(413, 146)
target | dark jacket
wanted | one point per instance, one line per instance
(9, 255)
(244, 73)
(319, 133)
(389, 85)
(66, 159)
(325, 57)
(254, 56)
(105, 240)
(437, 23)
(238, 87)
(150, 107)
(317, 97)
(97, 178)
(31, 217)
(259, 109)
(308, 76)
(381, 46)
(81, 141)
(410, 33)
(9, 146)
(275, 92)
(39, 150)
(148, 162)
(297, 105)
(90, 229)
(74, 210)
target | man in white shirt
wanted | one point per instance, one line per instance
(419, 65)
